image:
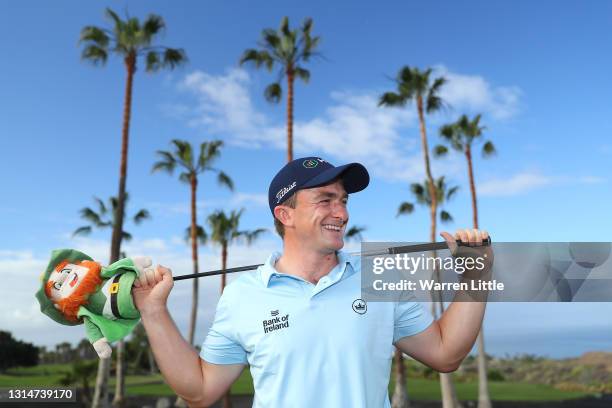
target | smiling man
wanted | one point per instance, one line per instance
(299, 321)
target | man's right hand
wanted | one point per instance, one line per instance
(151, 289)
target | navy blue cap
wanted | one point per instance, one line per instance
(309, 172)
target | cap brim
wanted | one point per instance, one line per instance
(354, 176)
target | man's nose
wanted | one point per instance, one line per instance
(339, 211)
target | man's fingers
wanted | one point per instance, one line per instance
(450, 241)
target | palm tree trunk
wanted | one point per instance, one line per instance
(193, 182)
(118, 400)
(194, 257)
(290, 79)
(468, 156)
(100, 398)
(130, 64)
(430, 181)
(449, 394)
(227, 401)
(400, 395)
(484, 398)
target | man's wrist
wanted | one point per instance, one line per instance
(154, 311)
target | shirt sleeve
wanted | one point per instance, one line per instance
(410, 318)
(221, 345)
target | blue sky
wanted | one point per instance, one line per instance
(537, 71)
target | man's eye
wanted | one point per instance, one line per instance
(327, 200)
(57, 285)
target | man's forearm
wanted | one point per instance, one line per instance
(177, 360)
(460, 325)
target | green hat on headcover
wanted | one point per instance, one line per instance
(46, 306)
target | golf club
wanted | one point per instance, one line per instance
(432, 246)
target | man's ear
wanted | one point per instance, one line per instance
(284, 214)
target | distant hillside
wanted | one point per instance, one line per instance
(595, 358)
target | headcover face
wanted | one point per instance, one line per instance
(61, 279)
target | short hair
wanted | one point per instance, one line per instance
(291, 202)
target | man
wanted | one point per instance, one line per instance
(294, 320)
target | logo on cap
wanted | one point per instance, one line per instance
(283, 191)
(311, 164)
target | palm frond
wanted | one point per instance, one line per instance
(153, 25)
(173, 57)
(94, 54)
(488, 149)
(302, 73)
(185, 177)
(102, 210)
(445, 216)
(354, 233)
(440, 151)
(82, 231)
(405, 208)
(451, 192)
(93, 217)
(95, 35)
(391, 99)
(126, 235)
(258, 58)
(141, 215)
(152, 61)
(251, 236)
(225, 180)
(273, 92)
(201, 235)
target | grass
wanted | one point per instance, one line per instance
(418, 388)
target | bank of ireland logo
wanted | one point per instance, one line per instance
(310, 163)
(360, 306)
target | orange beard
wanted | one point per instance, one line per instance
(69, 306)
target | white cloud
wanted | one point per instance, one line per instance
(474, 94)
(517, 184)
(353, 127)
(525, 182)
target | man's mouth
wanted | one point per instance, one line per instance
(332, 227)
(74, 280)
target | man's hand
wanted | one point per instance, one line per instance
(151, 289)
(473, 237)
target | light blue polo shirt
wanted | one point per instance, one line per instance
(311, 345)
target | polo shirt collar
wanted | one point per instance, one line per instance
(267, 270)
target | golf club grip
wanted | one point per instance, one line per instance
(430, 246)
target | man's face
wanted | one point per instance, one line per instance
(320, 217)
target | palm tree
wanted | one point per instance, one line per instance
(129, 39)
(414, 84)
(421, 194)
(224, 231)
(288, 49)
(444, 193)
(106, 217)
(460, 135)
(184, 157)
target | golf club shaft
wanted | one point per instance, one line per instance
(431, 246)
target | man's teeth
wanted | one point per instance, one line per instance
(332, 227)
